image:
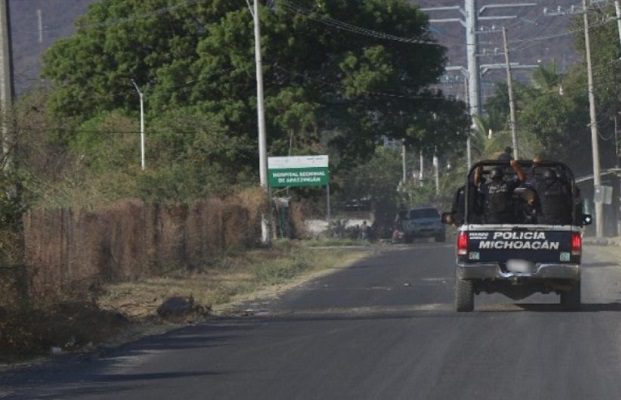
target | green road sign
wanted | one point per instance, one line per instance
(298, 171)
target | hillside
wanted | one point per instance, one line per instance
(533, 34)
(57, 19)
(540, 34)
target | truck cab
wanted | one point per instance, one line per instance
(526, 251)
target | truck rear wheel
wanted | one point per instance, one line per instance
(571, 299)
(464, 295)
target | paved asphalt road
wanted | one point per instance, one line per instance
(383, 329)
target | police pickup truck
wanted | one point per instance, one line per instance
(535, 247)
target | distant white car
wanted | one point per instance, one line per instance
(423, 222)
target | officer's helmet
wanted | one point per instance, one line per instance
(496, 174)
(549, 174)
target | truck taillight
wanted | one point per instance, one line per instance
(576, 244)
(462, 244)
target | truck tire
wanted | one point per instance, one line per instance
(464, 295)
(570, 300)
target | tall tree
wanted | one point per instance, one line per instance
(338, 73)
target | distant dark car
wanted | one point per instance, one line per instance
(422, 222)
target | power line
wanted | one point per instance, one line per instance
(338, 24)
(556, 35)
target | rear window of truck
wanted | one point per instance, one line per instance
(424, 213)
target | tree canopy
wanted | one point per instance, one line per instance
(555, 106)
(339, 76)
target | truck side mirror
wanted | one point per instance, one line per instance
(587, 219)
(448, 218)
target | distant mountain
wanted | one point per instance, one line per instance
(535, 36)
(35, 25)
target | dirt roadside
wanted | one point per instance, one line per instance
(601, 275)
(123, 312)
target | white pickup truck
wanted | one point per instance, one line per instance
(422, 222)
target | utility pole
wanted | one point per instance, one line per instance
(421, 164)
(474, 74)
(618, 10)
(472, 15)
(140, 95)
(599, 206)
(265, 231)
(436, 173)
(510, 88)
(403, 162)
(468, 141)
(40, 24)
(6, 84)
(616, 143)
(472, 26)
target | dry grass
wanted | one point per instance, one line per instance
(125, 311)
(228, 280)
(131, 239)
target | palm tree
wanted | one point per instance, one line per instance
(546, 78)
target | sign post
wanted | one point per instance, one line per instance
(328, 209)
(300, 171)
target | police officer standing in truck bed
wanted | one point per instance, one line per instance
(497, 193)
(555, 198)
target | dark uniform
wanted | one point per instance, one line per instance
(498, 199)
(459, 205)
(527, 205)
(506, 155)
(555, 198)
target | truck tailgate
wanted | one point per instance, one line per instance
(535, 243)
